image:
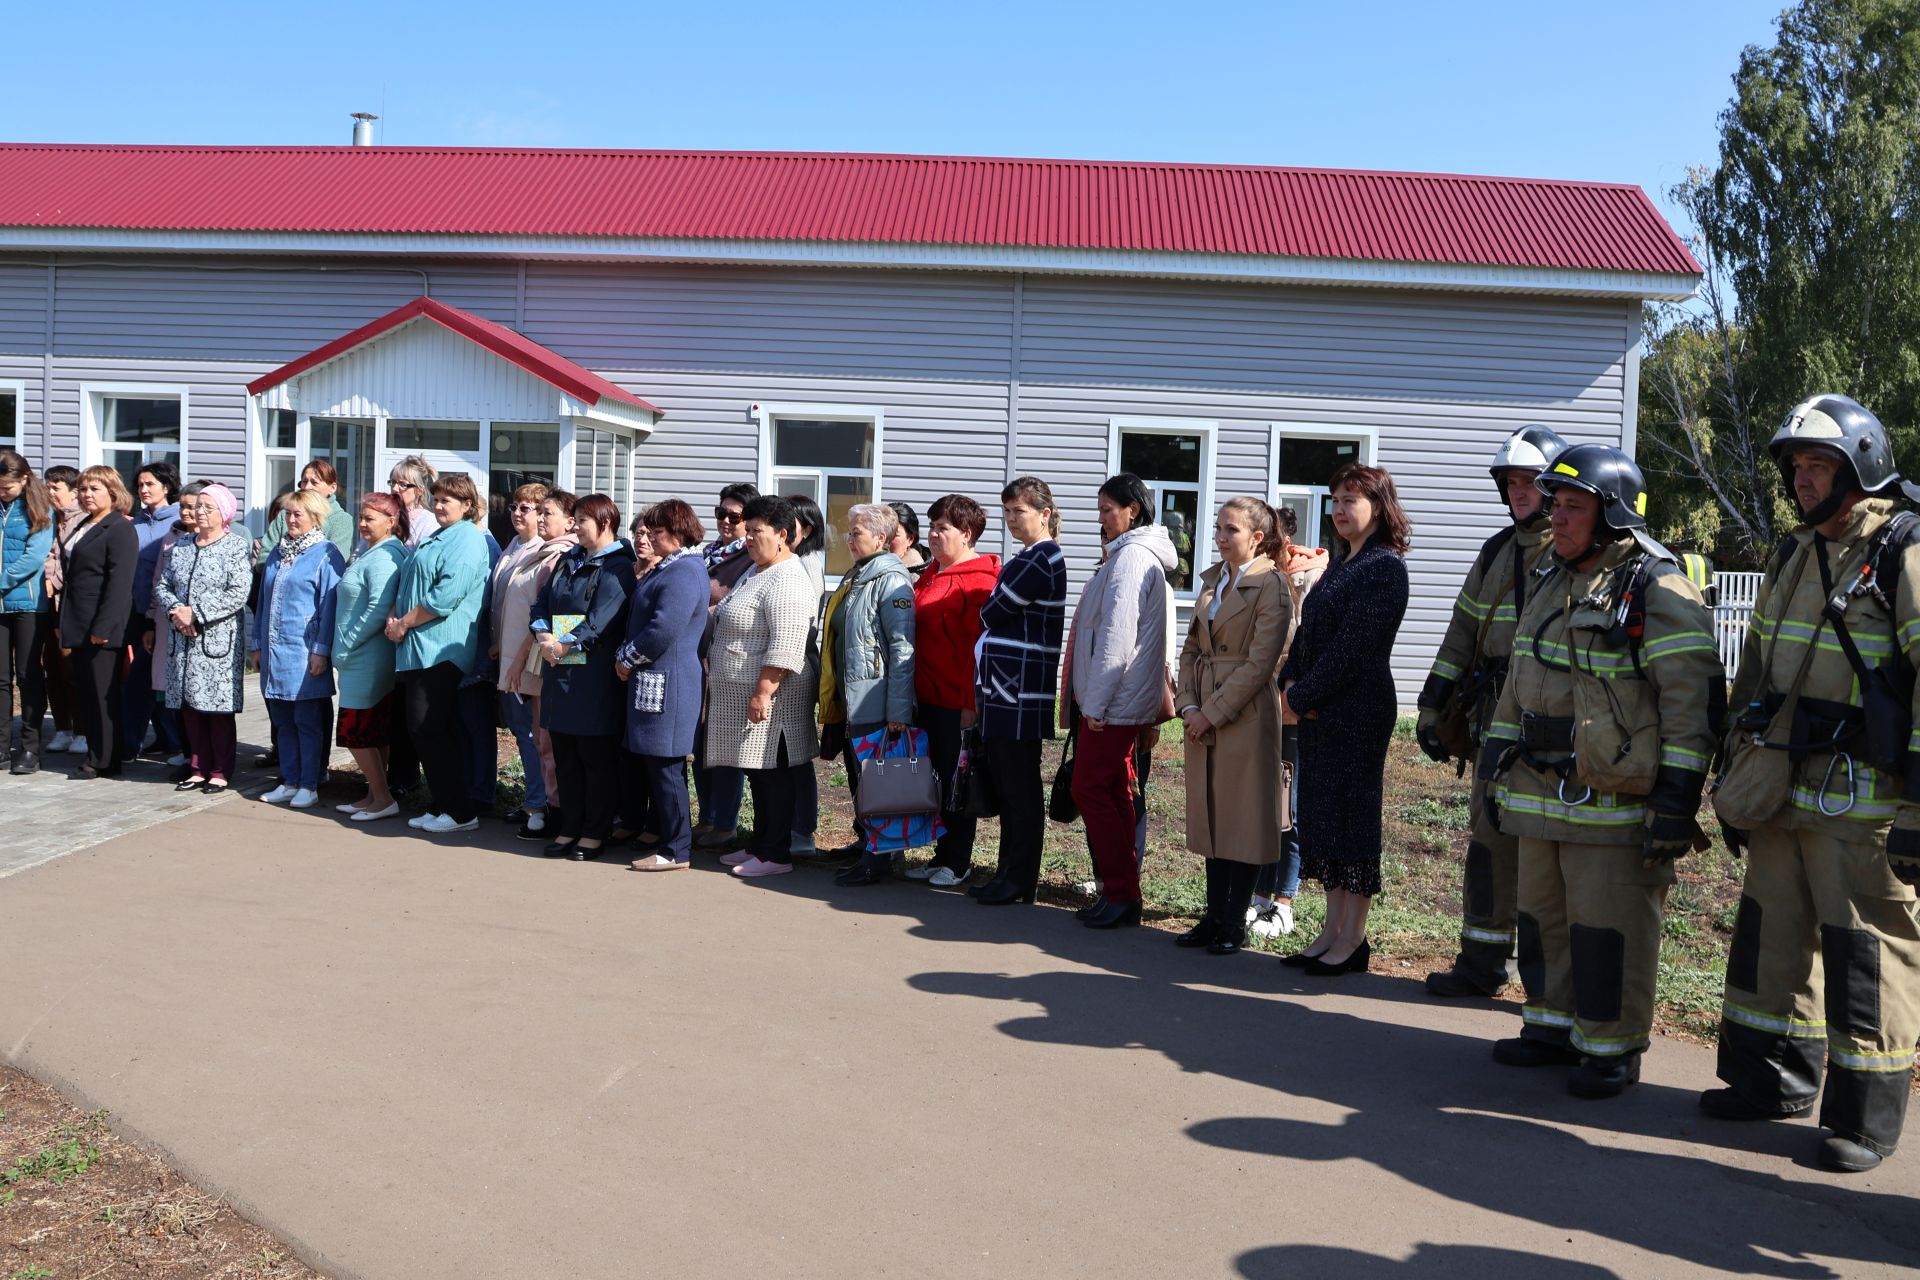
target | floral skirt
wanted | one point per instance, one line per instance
(368, 728)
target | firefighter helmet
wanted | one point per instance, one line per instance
(1849, 430)
(1607, 474)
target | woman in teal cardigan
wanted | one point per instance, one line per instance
(436, 626)
(363, 657)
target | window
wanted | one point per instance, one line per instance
(450, 437)
(603, 463)
(832, 454)
(130, 426)
(281, 433)
(11, 399)
(1301, 460)
(522, 453)
(1175, 458)
(348, 444)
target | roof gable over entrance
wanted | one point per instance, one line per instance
(429, 360)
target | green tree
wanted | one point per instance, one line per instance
(1809, 234)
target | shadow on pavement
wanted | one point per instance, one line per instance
(1303, 1261)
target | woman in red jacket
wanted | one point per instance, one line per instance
(946, 627)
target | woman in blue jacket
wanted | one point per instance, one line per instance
(436, 626)
(292, 639)
(26, 535)
(578, 622)
(660, 663)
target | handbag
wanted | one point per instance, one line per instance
(894, 786)
(970, 792)
(1060, 805)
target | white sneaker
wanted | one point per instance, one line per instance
(304, 799)
(279, 795)
(422, 820)
(175, 761)
(946, 877)
(920, 873)
(77, 745)
(374, 815)
(443, 823)
(1272, 920)
(61, 741)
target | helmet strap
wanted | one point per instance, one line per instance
(1829, 506)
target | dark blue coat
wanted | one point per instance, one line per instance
(587, 700)
(664, 626)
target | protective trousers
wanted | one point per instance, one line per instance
(1590, 943)
(1490, 891)
(1824, 971)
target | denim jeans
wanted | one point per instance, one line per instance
(518, 713)
(1282, 879)
(303, 740)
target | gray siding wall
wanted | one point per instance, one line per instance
(1440, 377)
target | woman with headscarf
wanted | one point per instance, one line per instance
(204, 593)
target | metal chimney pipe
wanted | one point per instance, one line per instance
(363, 129)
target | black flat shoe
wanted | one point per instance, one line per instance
(1115, 915)
(1204, 933)
(1228, 943)
(1003, 893)
(516, 816)
(873, 868)
(580, 853)
(558, 849)
(26, 763)
(1092, 909)
(190, 784)
(215, 789)
(990, 887)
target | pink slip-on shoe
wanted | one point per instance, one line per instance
(753, 868)
(736, 858)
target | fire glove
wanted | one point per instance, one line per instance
(1736, 840)
(1903, 854)
(1669, 836)
(1492, 803)
(1427, 733)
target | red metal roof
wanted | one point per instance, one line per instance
(945, 200)
(548, 366)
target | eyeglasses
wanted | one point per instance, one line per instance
(525, 508)
(724, 515)
(402, 484)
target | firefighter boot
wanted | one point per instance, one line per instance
(1604, 1077)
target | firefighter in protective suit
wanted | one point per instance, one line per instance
(1822, 784)
(1598, 752)
(1459, 697)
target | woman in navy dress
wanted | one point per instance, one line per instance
(1339, 681)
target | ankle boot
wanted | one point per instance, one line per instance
(1115, 915)
(873, 868)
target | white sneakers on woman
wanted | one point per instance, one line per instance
(304, 799)
(279, 795)
(440, 824)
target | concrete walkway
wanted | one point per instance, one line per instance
(418, 1058)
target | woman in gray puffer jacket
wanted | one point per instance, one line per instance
(1120, 686)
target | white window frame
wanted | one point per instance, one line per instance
(19, 392)
(767, 475)
(94, 448)
(1209, 432)
(1366, 436)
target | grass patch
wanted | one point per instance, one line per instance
(68, 1153)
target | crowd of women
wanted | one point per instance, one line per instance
(615, 651)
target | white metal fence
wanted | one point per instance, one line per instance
(1730, 616)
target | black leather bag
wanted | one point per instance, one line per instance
(970, 791)
(1060, 805)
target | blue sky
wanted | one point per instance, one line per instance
(1625, 91)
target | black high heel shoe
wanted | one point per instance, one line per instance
(1092, 909)
(1299, 960)
(988, 889)
(1355, 963)
(1204, 933)
(1115, 915)
(1004, 893)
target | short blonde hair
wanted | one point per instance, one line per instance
(122, 499)
(308, 501)
(876, 518)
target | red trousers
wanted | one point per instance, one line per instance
(1103, 787)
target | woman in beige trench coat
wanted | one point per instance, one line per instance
(1227, 698)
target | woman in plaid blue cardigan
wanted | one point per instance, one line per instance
(1015, 684)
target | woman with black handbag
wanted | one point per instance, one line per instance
(1015, 683)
